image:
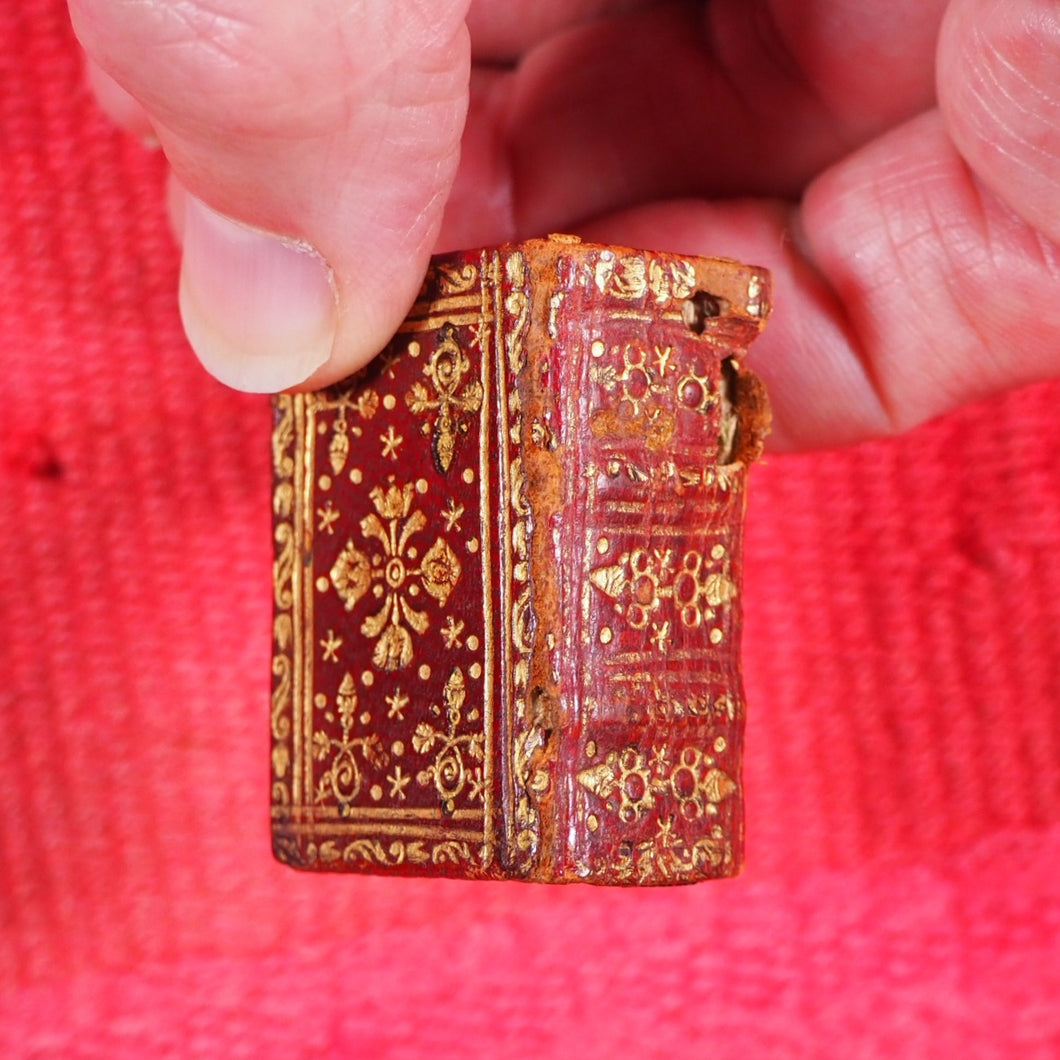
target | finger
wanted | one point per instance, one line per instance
(903, 288)
(999, 89)
(480, 209)
(734, 97)
(122, 109)
(318, 141)
(502, 31)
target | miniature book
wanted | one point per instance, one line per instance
(508, 576)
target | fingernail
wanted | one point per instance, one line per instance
(259, 310)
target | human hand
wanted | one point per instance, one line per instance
(897, 168)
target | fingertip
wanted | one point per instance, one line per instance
(120, 106)
(480, 208)
(176, 197)
(999, 93)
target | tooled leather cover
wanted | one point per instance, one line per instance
(507, 576)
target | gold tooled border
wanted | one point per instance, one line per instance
(296, 819)
(283, 571)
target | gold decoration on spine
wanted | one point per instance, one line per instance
(667, 857)
(648, 388)
(695, 587)
(659, 705)
(641, 390)
(527, 736)
(631, 277)
(517, 304)
(628, 781)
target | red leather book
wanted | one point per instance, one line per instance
(507, 576)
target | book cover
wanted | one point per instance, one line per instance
(507, 576)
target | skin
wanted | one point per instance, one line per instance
(897, 166)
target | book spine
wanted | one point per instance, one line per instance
(634, 459)
(522, 732)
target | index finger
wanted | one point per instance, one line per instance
(733, 97)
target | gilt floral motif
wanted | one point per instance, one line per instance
(343, 778)
(393, 575)
(630, 782)
(453, 399)
(453, 770)
(693, 588)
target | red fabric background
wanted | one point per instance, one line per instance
(903, 772)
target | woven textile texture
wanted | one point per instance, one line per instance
(903, 749)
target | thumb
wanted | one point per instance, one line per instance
(999, 92)
(316, 143)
